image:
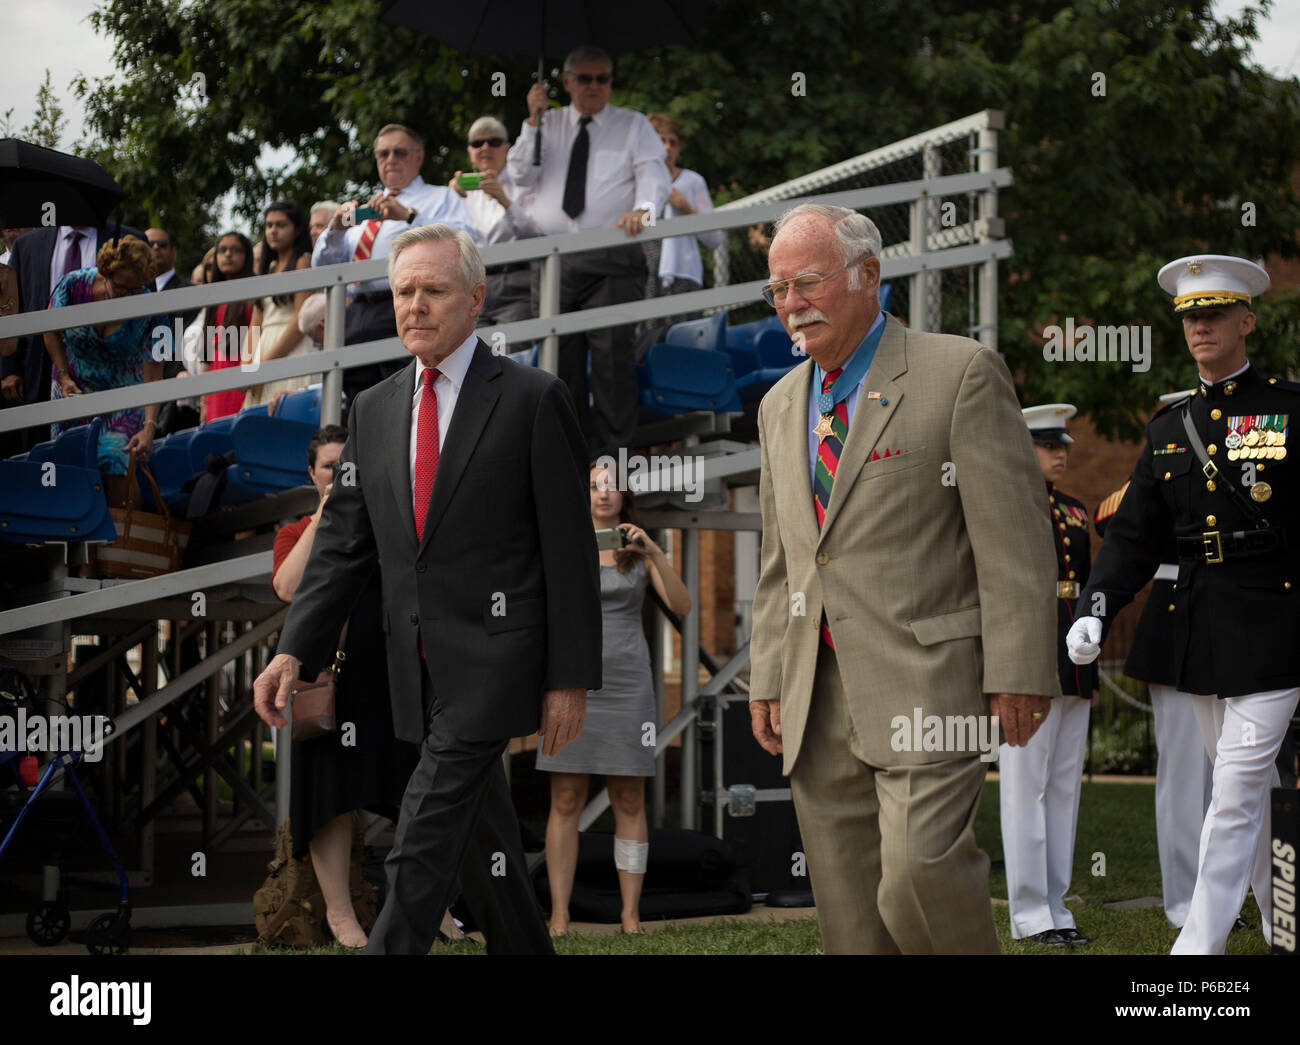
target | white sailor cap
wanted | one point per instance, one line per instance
(1211, 281)
(1047, 423)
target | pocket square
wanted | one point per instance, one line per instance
(876, 455)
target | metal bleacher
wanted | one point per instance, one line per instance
(173, 656)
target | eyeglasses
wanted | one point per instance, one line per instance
(492, 143)
(397, 154)
(810, 285)
(587, 78)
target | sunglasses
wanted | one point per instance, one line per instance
(587, 78)
(493, 143)
(397, 154)
(160, 243)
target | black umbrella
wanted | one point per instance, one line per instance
(33, 179)
(547, 28)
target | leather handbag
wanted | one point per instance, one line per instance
(314, 702)
(148, 543)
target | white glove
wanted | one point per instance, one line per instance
(1083, 640)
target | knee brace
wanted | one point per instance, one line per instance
(631, 856)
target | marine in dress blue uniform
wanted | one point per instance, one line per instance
(1040, 782)
(1216, 478)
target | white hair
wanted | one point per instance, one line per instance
(855, 234)
(487, 127)
(326, 205)
(585, 54)
(472, 272)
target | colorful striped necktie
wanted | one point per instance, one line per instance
(367, 241)
(829, 448)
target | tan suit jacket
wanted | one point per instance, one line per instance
(935, 566)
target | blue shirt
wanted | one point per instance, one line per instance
(814, 390)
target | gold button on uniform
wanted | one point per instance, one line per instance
(1286, 585)
(1210, 520)
(1209, 485)
(1071, 575)
(1169, 475)
(822, 558)
(1212, 449)
(1171, 607)
(1065, 541)
(1215, 414)
(1067, 558)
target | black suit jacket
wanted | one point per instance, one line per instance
(32, 253)
(504, 589)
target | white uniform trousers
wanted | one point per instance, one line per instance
(1244, 734)
(1184, 778)
(1039, 788)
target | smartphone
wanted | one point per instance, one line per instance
(469, 181)
(367, 213)
(609, 540)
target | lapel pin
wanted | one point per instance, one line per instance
(873, 395)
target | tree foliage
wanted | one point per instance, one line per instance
(1108, 186)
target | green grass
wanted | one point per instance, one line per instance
(1115, 819)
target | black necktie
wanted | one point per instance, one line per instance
(575, 185)
(72, 261)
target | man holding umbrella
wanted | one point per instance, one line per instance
(601, 166)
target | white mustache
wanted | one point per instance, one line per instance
(807, 316)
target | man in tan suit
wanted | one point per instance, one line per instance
(907, 590)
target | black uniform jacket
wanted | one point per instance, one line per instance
(1235, 609)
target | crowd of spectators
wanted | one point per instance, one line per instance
(598, 166)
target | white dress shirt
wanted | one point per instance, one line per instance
(161, 280)
(88, 245)
(680, 257)
(494, 223)
(625, 168)
(446, 386)
(814, 390)
(431, 203)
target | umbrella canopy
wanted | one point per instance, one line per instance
(548, 28)
(32, 178)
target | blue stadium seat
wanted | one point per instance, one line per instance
(65, 504)
(79, 446)
(270, 456)
(675, 379)
(42, 451)
(886, 296)
(303, 406)
(710, 333)
(744, 335)
(526, 357)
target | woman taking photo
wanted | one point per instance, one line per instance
(611, 741)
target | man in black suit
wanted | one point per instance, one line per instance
(491, 590)
(41, 258)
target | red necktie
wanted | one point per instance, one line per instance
(367, 241)
(426, 451)
(828, 459)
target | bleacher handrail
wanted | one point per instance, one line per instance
(988, 119)
(520, 331)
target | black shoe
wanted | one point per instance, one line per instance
(1240, 924)
(1073, 936)
(1049, 938)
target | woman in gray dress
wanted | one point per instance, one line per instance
(617, 738)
